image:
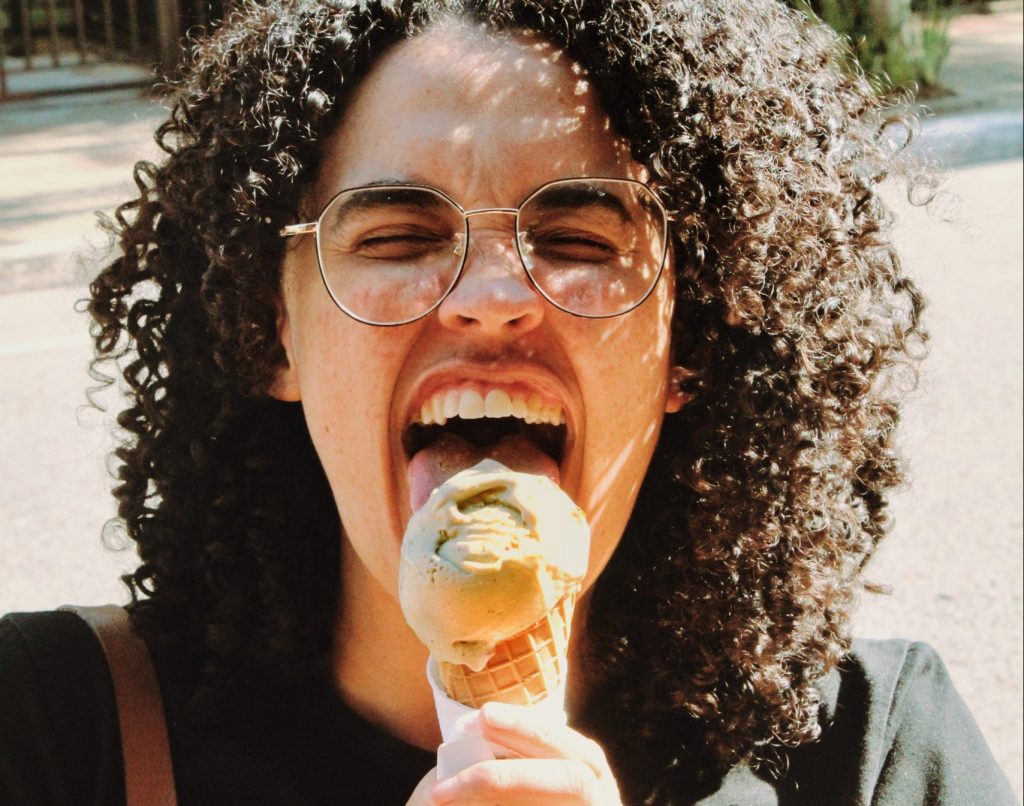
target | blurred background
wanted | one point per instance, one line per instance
(78, 105)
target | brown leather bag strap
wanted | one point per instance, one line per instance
(148, 777)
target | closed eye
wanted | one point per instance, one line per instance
(400, 245)
(575, 246)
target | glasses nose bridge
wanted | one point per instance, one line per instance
(461, 247)
(487, 210)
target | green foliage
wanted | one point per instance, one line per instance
(898, 50)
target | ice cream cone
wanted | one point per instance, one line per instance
(525, 668)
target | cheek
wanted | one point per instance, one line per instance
(347, 387)
(624, 414)
(346, 377)
(629, 374)
(343, 370)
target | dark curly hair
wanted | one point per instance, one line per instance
(732, 587)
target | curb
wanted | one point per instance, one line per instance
(958, 141)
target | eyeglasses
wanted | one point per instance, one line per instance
(389, 254)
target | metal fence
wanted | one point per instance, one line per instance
(78, 37)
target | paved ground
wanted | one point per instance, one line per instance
(955, 555)
(983, 70)
(954, 560)
(72, 75)
(62, 159)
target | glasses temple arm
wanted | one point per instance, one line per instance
(297, 229)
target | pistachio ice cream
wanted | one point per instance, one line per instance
(489, 554)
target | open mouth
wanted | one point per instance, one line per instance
(486, 432)
(455, 429)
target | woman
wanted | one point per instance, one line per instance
(654, 225)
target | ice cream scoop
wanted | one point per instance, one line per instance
(488, 555)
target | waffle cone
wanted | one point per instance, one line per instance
(525, 668)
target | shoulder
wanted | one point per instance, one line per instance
(893, 660)
(896, 731)
(892, 673)
(45, 635)
(910, 689)
(59, 738)
(53, 653)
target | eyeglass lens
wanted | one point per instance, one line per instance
(593, 247)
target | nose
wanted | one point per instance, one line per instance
(493, 296)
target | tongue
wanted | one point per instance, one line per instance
(434, 465)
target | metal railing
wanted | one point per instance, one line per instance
(61, 35)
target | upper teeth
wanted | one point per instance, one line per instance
(469, 404)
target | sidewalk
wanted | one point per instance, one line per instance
(63, 158)
(983, 70)
(71, 75)
(980, 120)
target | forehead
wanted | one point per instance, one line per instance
(474, 113)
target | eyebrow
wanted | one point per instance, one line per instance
(386, 194)
(582, 194)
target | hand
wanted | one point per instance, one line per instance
(540, 764)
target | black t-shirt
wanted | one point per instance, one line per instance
(897, 734)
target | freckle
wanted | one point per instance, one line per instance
(327, 429)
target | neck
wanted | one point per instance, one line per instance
(379, 664)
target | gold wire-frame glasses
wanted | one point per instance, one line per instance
(390, 253)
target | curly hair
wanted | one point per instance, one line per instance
(732, 587)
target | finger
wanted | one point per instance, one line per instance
(525, 734)
(536, 782)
